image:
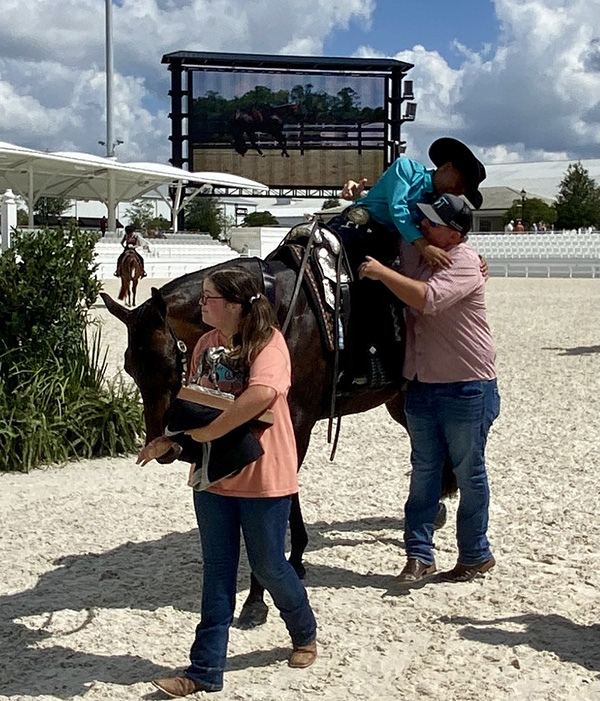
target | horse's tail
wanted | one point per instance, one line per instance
(123, 290)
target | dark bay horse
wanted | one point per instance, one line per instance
(247, 123)
(130, 271)
(151, 358)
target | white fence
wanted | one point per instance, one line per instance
(168, 258)
(540, 255)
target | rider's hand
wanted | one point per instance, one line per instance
(352, 189)
(155, 449)
(434, 256)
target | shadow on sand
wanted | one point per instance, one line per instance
(545, 633)
(138, 576)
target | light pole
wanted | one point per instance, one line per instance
(523, 196)
(110, 145)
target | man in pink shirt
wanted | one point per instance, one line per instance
(452, 396)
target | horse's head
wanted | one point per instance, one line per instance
(151, 358)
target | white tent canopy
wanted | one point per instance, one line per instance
(82, 176)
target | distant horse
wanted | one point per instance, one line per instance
(130, 271)
(152, 359)
(247, 123)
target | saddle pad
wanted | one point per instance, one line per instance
(214, 460)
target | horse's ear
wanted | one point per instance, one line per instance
(116, 309)
(159, 302)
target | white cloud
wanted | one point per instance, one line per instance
(52, 90)
(534, 96)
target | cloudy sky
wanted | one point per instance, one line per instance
(519, 80)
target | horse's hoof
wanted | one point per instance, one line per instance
(252, 615)
(442, 515)
(299, 568)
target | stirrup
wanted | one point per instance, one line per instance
(377, 374)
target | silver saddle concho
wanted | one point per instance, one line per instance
(358, 215)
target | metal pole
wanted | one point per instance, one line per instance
(110, 141)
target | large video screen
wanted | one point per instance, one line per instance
(287, 129)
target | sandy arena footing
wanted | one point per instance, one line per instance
(101, 568)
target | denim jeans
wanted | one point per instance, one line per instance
(449, 421)
(263, 522)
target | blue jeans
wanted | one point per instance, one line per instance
(263, 523)
(449, 421)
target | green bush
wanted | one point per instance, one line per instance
(55, 404)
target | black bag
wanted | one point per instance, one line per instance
(216, 459)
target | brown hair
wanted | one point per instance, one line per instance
(258, 318)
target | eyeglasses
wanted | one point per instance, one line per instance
(204, 298)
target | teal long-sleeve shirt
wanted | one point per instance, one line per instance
(392, 201)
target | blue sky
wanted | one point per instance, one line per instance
(436, 24)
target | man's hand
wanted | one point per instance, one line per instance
(371, 269)
(352, 189)
(155, 449)
(483, 266)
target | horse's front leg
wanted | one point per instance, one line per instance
(283, 146)
(254, 611)
(254, 142)
(298, 537)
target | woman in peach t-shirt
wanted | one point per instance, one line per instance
(257, 500)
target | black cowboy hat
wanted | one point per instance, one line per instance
(446, 150)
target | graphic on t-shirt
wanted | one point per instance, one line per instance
(217, 370)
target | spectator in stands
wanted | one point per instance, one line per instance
(519, 228)
(103, 223)
(452, 396)
(510, 227)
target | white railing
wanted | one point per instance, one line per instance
(167, 260)
(540, 255)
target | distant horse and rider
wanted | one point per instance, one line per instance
(247, 123)
(130, 265)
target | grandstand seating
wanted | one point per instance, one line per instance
(540, 255)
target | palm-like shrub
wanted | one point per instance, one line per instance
(55, 404)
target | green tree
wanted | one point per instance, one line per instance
(204, 214)
(48, 209)
(536, 210)
(331, 203)
(578, 201)
(260, 219)
(140, 214)
(159, 223)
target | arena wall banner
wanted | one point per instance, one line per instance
(289, 124)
